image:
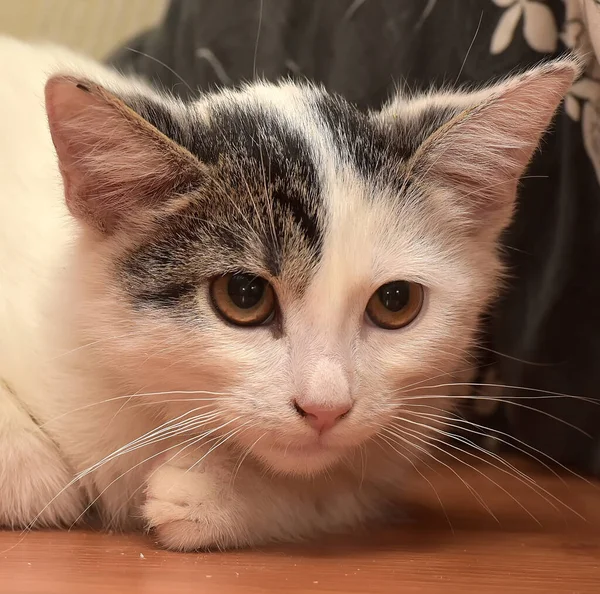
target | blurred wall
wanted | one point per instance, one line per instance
(94, 27)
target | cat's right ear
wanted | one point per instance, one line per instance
(482, 142)
(115, 165)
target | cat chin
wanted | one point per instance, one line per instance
(299, 461)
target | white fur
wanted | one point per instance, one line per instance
(72, 352)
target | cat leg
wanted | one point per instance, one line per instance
(206, 507)
(33, 476)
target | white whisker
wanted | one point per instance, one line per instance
(427, 452)
(226, 438)
(508, 400)
(515, 472)
(140, 395)
(244, 455)
(496, 433)
(428, 441)
(409, 460)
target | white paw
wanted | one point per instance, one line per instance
(190, 509)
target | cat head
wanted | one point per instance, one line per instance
(281, 267)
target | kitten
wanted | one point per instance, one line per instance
(228, 317)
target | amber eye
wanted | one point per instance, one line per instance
(396, 304)
(243, 299)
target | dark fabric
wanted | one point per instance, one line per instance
(547, 326)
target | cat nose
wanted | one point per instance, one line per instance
(321, 418)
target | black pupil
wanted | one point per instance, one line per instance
(395, 296)
(245, 290)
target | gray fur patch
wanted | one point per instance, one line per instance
(261, 210)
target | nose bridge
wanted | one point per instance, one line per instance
(327, 384)
(326, 317)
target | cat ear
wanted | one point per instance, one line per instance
(481, 152)
(115, 165)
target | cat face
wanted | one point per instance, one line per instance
(286, 271)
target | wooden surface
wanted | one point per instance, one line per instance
(423, 554)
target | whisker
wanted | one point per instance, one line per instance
(196, 441)
(231, 434)
(89, 344)
(425, 382)
(122, 450)
(190, 441)
(428, 441)
(468, 442)
(77, 478)
(241, 460)
(466, 484)
(140, 395)
(462, 66)
(544, 394)
(260, 18)
(516, 473)
(513, 358)
(135, 51)
(409, 460)
(131, 469)
(522, 450)
(504, 400)
(162, 432)
(428, 453)
(363, 464)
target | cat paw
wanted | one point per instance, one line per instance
(190, 510)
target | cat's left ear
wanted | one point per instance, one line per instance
(116, 166)
(481, 152)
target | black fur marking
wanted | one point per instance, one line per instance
(270, 158)
(374, 148)
(259, 213)
(266, 152)
(419, 128)
(378, 148)
(162, 119)
(168, 295)
(83, 87)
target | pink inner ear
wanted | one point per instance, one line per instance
(114, 164)
(483, 153)
(67, 103)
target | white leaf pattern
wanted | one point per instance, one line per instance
(539, 29)
(590, 127)
(572, 107)
(591, 10)
(581, 33)
(505, 30)
(586, 88)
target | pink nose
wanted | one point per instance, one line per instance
(321, 418)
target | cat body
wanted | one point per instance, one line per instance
(133, 380)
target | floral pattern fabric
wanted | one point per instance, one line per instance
(580, 33)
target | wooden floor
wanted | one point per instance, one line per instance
(535, 545)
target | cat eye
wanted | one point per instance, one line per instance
(243, 299)
(396, 304)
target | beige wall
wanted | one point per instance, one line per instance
(94, 27)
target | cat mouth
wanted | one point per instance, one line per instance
(300, 458)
